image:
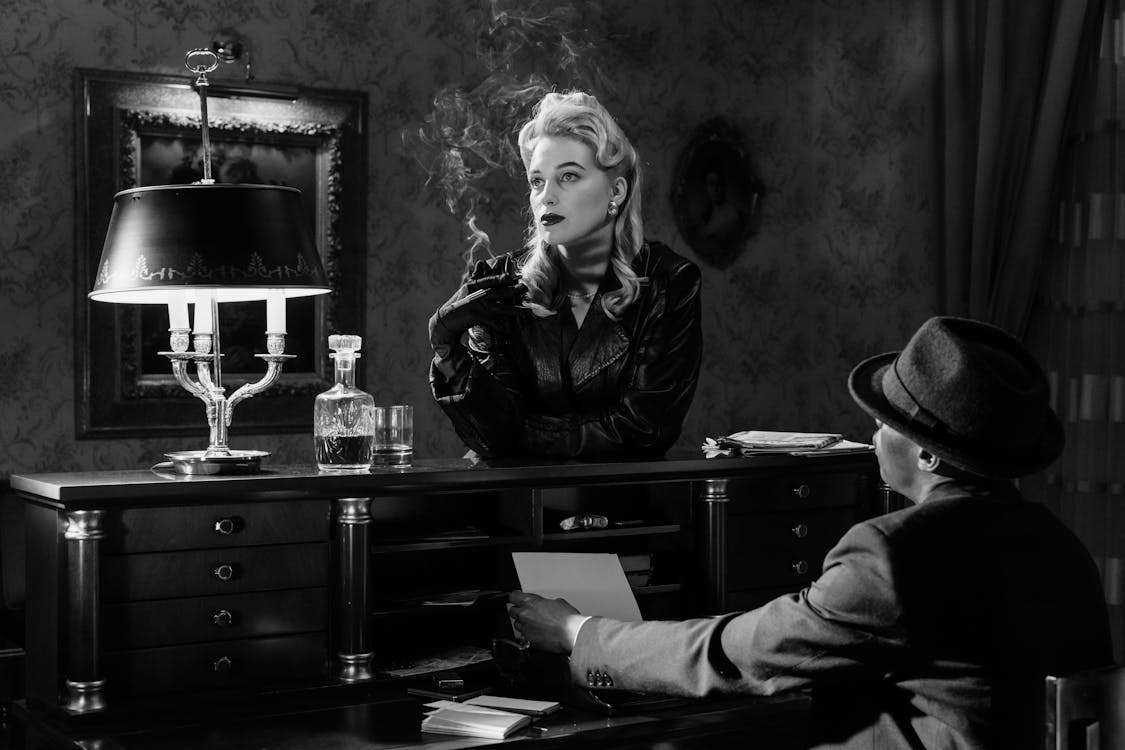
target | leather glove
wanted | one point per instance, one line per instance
(490, 295)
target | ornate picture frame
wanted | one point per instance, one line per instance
(135, 130)
(716, 194)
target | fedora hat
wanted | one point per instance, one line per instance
(967, 392)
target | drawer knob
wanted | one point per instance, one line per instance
(223, 572)
(801, 567)
(225, 526)
(803, 491)
(222, 664)
(223, 618)
(801, 531)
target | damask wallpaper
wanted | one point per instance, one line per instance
(835, 99)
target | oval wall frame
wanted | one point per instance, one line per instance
(716, 195)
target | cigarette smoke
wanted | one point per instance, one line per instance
(525, 50)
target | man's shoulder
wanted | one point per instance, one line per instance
(961, 506)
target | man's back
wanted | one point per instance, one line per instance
(994, 593)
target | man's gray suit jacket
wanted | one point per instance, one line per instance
(929, 627)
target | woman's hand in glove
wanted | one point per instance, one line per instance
(488, 296)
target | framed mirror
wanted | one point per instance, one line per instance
(138, 130)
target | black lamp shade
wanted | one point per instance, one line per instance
(238, 240)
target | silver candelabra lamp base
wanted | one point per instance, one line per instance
(219, 458)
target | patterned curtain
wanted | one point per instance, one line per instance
(1077, 326)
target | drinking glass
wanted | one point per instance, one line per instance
(394, 434)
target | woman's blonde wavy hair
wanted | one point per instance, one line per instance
(580, 116)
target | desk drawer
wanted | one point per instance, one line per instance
(217, 665)
(223, 525)
(168, 575)
(782, 549)
(169, 622)
(795, 491)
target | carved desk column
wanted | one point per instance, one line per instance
(353, 519)
(715, 499)
(85, 685)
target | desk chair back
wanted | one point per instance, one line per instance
(1086, 710)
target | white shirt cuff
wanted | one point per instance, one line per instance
(577, 630)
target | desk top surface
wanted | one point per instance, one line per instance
(763, 723)
(278, 482)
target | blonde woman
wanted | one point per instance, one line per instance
(587, 342)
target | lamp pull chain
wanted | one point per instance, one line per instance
(194, 61)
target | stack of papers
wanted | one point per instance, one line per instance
(751, 442)
(765, 441)
(472, 721)
(844, 446)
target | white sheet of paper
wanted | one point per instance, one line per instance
(593, 582)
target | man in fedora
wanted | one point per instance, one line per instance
(931, 627)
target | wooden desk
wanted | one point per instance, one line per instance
(776, 723)
(211, 588)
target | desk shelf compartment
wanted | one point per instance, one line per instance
(656, 522)
(669, 555)
(561, 538)
(398, 634)
(429, 522)
(631, 509)
(401, 582)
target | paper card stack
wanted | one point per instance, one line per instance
(515, 705)
(472, 721)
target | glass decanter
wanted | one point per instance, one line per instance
(343, 419)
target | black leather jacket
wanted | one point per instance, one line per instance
(625, 389)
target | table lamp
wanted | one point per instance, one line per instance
(203, 244)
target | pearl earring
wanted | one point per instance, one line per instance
(612, 208)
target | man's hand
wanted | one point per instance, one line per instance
(547, 624)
